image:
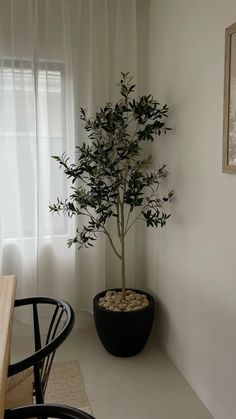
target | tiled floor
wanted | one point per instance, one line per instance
(147, 386)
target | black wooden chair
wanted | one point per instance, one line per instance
(46, 410)
(46, 342)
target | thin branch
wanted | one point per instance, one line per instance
(127, 221)
(136, 218)
(111, 242)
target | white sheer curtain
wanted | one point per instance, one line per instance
(55, 56)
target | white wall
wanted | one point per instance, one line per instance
(191, 264)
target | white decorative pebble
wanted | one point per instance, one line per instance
(113, 300)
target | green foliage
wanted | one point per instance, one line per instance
(111, 177)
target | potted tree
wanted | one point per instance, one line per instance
(113, 179)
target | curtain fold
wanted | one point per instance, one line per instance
(55, 56)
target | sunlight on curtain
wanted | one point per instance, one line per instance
(55, 56)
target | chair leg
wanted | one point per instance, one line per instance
(38, 386)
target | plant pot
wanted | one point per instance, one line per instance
(123, 333)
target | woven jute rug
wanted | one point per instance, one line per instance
(66, 386)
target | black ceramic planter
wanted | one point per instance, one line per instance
(123, 333)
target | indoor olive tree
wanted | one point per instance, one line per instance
(112, 177)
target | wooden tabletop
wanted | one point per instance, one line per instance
(7, 296)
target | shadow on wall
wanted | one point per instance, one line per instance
(141, 281)
(162, 323)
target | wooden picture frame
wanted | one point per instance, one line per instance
(229, 121)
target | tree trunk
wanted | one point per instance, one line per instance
(122, 239)
(122, 242)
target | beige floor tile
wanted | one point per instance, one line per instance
(147, 386)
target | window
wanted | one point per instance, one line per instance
(32, 128)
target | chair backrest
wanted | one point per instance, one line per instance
(59, 326)
(46, 410)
